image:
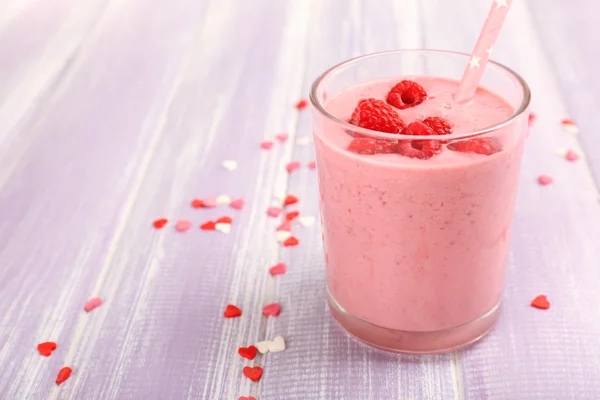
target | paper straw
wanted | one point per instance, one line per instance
(483, 50)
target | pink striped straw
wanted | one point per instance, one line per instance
(483, 50)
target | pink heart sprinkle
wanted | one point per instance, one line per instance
(272, 309)
(312, 165)
(545, 180)
(209, 202)
(282, 137)
(285, 226)
(92, 303)
(238, 204)
(266, 145)
(183, 225)
(278, 269)
(571, 156)
(273, 212)
(292, 166)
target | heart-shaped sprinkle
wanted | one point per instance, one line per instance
(278, 269)
(63, 375)
(223, 228)
(292, 166)
(230, 165)
(224, 220)
(544, 180)
(282, 137)
(290, 199)
(208, 226)
(272, 309)
(571, 156)
(248, 352)
(232, 311)
(92, 303)
(312, 165)
(541, 302)
(197, 203)
(301, 104)
(279, 196)
(285, 226)
(223, 199)
(291, 241)
(307, 221)
(263, 347)
(282, 236)
(254, 373)
(570, 126)
(247, 398)
(238, 204)
(209, 202)
(531, 119)
(276, 345)
(292, 215)
(46, 348)
(266, 145)
(160, 223)
(183, 225)
(273, 212)
(303, 141)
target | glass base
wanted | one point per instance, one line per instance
(415, 342)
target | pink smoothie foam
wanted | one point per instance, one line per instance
(418, 245)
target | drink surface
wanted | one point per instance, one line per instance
(418, 244)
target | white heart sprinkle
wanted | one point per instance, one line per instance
(306, 221)
(223, 227)
(561, 151)
(223, 199)
(279, 196)
(571, 128)
(229, 165)
(282, 236)
(276, 345)
(303, 141)
(263, 347)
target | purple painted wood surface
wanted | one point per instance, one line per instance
(114, 113)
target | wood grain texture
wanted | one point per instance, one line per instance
(114, 113)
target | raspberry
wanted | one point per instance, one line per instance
(439, 125)
(406, 94)
(376, 115)
(486, 146)
(369, 146)
(417, 128)
(421, 149)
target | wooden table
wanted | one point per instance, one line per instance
(115, 113)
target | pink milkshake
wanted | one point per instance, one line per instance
(417, 196)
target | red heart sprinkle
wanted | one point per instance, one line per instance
(531, 120)
(568, 121)
(253, 373)
(278, 269)
(238, 204)
(291, 241)
(541, 302)
(46, 348)
(301, 104)
(63, 375)
(247, 398)
(266, 145)
(197, 203)
(208, 226)
(312, 165)
(272, 309)
(232, 311)
(248, 352)
(92, 303)
(225, 220)
(571, 156)
(544, 180)
(292, 215)
(282, 137)
(292, 166)
(160, 223)
(285, 226)
(290, 199)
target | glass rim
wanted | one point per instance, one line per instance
(394, 136)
